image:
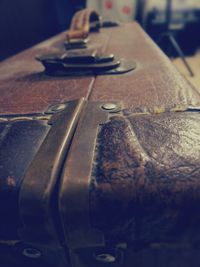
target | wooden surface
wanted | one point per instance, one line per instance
(24, 88)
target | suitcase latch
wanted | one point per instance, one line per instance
(84, 62)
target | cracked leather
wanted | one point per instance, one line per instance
(146, 178)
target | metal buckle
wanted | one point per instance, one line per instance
(54, 199)
(55, 224)
(76, 44)
(38, 194)
(74, 204)
(86, 62)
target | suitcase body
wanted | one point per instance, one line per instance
(99, 170)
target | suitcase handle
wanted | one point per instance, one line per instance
(82, 22)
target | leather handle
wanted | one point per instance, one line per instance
(80, 25)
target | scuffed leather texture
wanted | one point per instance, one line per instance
(146, 178)
(154, 82)
(19, 143)
(24, 88)
(145, 186)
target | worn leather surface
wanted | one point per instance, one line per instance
(19, 143)
(154, 82)
(146, 185)
(24, 88)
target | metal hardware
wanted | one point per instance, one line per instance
(76, 179)
(109, 106)
(48, 188)
(54, 67)
(76, 44)
(56, 108)
(193, 109)
(95, 26)
(105, 258)
(32, 253)
(79, 56)
(38, 197)
(110, 23)
(124, 67)
(49, 214)
(87, 63)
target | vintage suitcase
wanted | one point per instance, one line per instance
(99, 170)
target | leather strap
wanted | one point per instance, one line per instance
(80, 25)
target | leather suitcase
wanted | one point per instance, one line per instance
(99, 169)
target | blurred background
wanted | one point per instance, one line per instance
(173, 24)
(24, 23)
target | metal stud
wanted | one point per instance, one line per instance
(105, 258)
(109, 106)
(56, 108)
(32, 253)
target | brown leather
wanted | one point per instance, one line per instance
(145, 181)
(24, 88)
(146, 187)
(80, 25)
(155, 81)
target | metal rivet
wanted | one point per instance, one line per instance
(58, 107)
(109, 106)
(32, 253)
(105, 258)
